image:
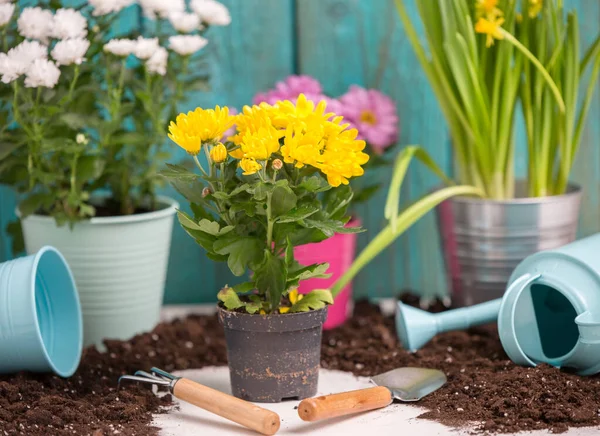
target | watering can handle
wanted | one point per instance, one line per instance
(345, 403)
(243, 412)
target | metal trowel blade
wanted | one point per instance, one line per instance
(410, 384)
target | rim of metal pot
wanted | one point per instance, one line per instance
(170, 207)
(573, 190)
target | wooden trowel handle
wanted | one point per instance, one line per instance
(346, 403)
(243, 412)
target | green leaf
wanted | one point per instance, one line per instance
(299, 213)
(244, 287)
(314, 300)
(248, 207)
(330, 227)
(229, 298)
(316, 271)
(282, 201)
(289, 252)
(178, 172)
(315, 184)
(35, 203)
(190, 189)
(186, 221)
(400, 167)
(6, 148)
(89, 167)
(242, 251)
(337, 201)
(270, 279)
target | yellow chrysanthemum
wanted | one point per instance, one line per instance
(535, 7)
(250, 166)
(342, 158)
(491, 29)
(257, 145)
(487, 9)
(191, 130)
(304, 113)
(218, 153)
(301, 147)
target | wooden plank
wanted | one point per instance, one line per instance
(356, 42)
(244, 58)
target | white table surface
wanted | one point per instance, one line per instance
(395, 420)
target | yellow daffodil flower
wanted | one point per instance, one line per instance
(200, 126)
(535, 7)
(491, 29)
(250, 166)
(218, 153)
(487, 9)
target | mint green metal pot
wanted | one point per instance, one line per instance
(119, 265)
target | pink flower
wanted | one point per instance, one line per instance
(290, 89)
(373, 114)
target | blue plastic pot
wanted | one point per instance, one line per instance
(40, 315)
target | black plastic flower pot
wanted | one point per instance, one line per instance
(273, 357)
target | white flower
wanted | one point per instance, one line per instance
(145, 47)
(120, 47)
(6, 12)
(42, 72)
(19, 58)
(211, 12)
(35, 23)
(70, 51)
(158, 62)
(186, 44)
(184, 22)
(103, 7)
(81, 139)
(69, 23)
(161, 8)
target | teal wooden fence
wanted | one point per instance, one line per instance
(344, 42)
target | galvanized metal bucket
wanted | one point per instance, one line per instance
(484, 240)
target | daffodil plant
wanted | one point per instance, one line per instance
(478, 51)
(280, 181)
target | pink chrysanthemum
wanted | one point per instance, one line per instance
(373, 114)
(290, 89)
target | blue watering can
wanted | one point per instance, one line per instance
(550, 312)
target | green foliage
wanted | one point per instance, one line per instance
(254, 222)
(102, 127)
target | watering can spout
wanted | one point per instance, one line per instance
(589, 327)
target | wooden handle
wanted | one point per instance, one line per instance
(243, 412)
(346, 403)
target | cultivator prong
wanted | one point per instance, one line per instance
(157, 377)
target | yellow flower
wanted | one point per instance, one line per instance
(294, 296)
(535, 7)
(303, 113)
(487, 9)
(191, 130)
(250, 166)
(491, 28)
(218, 153)
(284, 309)
(301, 148)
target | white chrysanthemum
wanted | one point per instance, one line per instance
(161, 8)
(184, 22)
(6, 12)
(70, 51)
(28, 51)
(40, 73)
(145, 47)
(158, 62)
(35, 23)
(104, 7)
(120, 47)
(211, 12)
(186, 44)
(69, 24)
(10, 69)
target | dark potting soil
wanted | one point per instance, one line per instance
(484, 388)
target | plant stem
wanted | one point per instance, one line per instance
(270, 222)
(199, 165)
(73, 83)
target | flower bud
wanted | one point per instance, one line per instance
(81, 139)
(277, 164)
(206, 192)
(218, 153)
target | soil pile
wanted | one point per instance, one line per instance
(483, 387)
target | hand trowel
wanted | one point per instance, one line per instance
(404, 384)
